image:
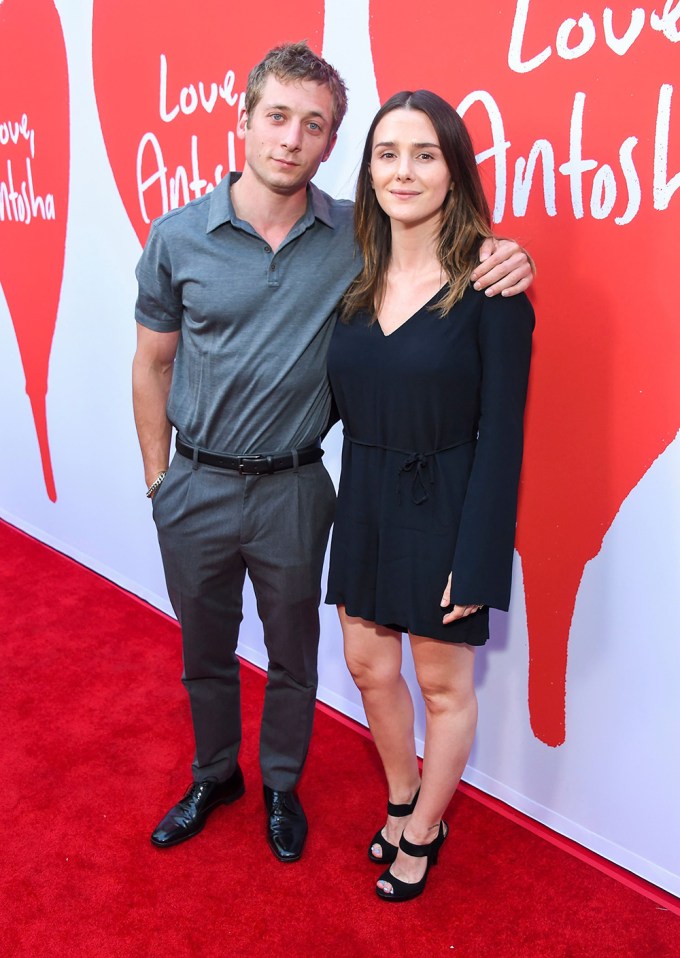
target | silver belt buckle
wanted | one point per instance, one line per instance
(248, 459)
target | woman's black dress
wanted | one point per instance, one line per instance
(432, 416)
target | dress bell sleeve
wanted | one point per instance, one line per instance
(482, 564)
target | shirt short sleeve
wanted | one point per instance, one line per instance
(159, 301)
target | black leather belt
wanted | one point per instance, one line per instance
(253, 465)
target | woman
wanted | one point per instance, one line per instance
(430, 379)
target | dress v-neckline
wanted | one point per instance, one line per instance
(412, 316)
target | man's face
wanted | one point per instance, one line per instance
(288, 134)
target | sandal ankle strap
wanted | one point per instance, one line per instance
(415, 851)
(401, 811)
(423, 851)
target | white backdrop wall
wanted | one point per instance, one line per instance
(613, 783)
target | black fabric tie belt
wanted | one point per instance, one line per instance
(419, 464)
(253, 465)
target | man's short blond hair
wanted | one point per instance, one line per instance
(293, 62)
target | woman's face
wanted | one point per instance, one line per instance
(408, 172)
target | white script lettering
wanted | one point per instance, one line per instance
(192, 96)
(13, 131)
(663, 187)
(172, 191)
(665, 23)
(604, 189)
(22, 204)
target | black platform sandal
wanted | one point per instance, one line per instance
(403, 890)
(389, 851)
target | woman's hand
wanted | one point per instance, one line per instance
(459, 611)
(504, 268)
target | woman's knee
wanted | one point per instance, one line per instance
(442, 697)
(373, 658)
(371, 673)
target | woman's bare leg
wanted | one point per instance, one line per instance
(373, 656)
(445, 674)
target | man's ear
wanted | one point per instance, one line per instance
(329, 149)
(241, 125)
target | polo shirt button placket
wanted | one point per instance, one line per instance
(272, 279)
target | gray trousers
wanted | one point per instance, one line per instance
(213, 526)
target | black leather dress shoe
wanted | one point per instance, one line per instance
(188, 817)
(286, 824)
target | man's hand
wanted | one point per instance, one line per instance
(458, 611)
(504, 268)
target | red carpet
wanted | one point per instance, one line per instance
(97, 747)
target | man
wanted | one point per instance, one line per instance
(237, 292)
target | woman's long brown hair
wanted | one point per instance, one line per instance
(466, 220)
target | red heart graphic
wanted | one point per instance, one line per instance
(605, 392)
(168, 79)
(34, 183)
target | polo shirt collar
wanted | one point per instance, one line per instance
(321, 206)
(222, 210)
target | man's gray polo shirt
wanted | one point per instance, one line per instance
(250, 371)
